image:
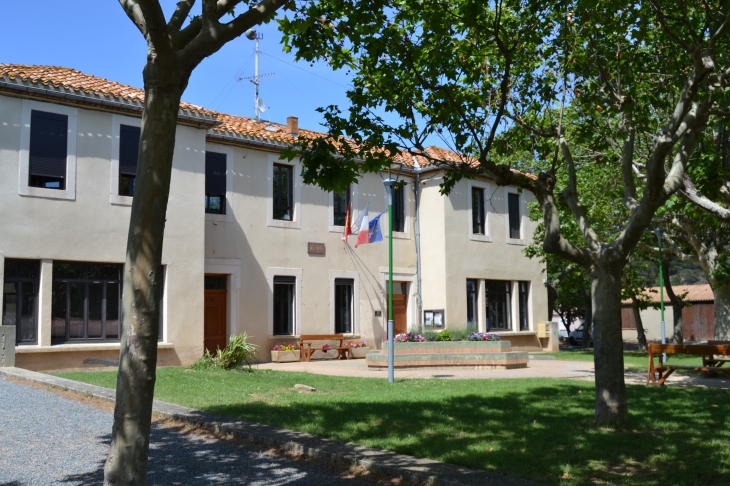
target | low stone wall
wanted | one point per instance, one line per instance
(474, 354)
(7, 346)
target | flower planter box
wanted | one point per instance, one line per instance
(284, 356)
(360, 352)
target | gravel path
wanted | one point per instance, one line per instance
(48, 439)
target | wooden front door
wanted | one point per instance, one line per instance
(215, 320)
(400, 304)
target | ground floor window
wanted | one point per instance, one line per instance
(284, 301)
(86, 302)
(343, 305)
(20, 299)
(471, 301)
(524, 320)
(499, 300)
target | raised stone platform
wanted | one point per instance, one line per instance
(472, 354)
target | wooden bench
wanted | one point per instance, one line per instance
(713, 357)
(715, 361)
(306, 340)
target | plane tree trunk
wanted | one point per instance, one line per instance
(127, 460)
(611, 405)
(677, 306)
(640, 331)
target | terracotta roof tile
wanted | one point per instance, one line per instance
(694, 293)
(71, 79)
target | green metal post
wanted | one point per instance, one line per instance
(661, 294)
(391, 343)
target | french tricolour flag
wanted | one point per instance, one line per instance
(369, 231)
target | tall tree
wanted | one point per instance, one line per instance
(175, 47)
(489, 77)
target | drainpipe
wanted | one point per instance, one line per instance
(416, 191)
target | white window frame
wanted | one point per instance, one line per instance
(272, 272)
(355, 277)
(331, 209)
(117, 122)
(487, 187)
(228, 151)
(69, 193)
(296, 222)
(523, 216)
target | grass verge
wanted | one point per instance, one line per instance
(538, 429)
(635, 360)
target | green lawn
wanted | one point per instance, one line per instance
(538, 429)
(634, 360)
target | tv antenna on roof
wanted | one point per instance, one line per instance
(258, 105)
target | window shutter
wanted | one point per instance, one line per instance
(284, 280)
(215, 173)
(514, 216)
(48, 144)
(128, 149)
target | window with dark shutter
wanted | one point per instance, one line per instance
(48, 150)
(398, 210)
(284, 299)
(215, 183)
(343, 305)
(128, 151)
(283, 192)
(340, 201)
(514, 216)
(477, 211)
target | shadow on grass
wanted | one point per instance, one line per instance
(180, 458)
(543, 433)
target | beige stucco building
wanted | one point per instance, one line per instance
(264, 255)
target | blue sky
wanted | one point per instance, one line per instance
(96, 37)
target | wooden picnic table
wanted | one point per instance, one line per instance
(713, 357)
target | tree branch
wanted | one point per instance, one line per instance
(627, 163)
(154, 19)
(178, 17)
(133, 11)
(691, 194)
(570, 194)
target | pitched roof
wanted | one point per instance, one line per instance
(75, 86)
(65, 81)
(688, 293)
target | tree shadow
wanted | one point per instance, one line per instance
(543, 433)
(178, 457)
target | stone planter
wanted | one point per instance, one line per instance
(360, 352)
(472, 354)
(284, 356)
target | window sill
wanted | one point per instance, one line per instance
(484, 238)
(220, 218)
(66, 194)
(279, 223)
(512, 241)
(400, 235)
(120, 200)
(66, 348)
(296, 337)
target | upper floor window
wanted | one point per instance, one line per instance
(477, 211)
(340, 202)
(48, 150)
(399, 209)
(128, 152)
(283, 192)
(513, 204)
(215, 183)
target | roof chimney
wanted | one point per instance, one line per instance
(292, 126)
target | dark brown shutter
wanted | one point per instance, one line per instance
(514, 215)
(215, 173)
(48, 144)
(128, 149)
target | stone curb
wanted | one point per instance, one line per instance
(425, 471)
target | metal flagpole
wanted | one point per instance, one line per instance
(659, 232)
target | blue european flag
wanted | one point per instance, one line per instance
(374, 233)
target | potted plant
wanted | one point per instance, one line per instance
(358, 349)
(284, 353)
